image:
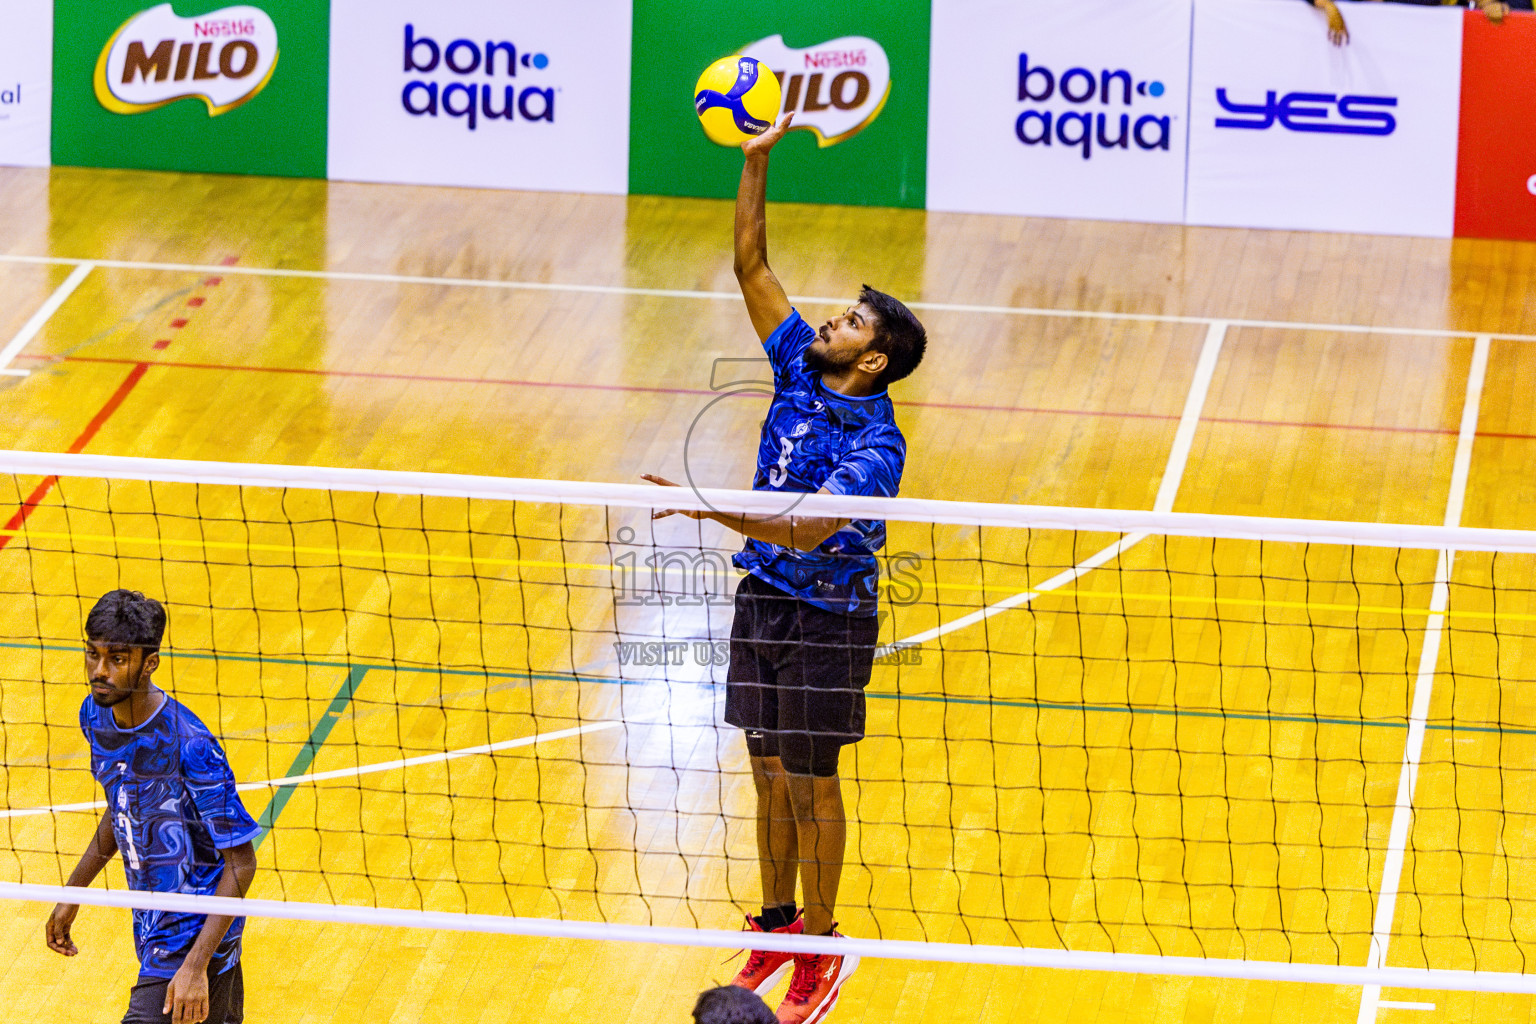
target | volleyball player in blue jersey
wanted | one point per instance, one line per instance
(804, 633)
(173, 812)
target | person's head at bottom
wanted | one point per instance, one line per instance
(731, 1004)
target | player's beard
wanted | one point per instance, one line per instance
(112, 699)
(116, 696)
(821, 362)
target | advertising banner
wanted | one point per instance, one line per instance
(855, 74)
(490, 93)
(1059, 110)
(1288, 131)
(26, 42)
(1496, 160)
(206, 87)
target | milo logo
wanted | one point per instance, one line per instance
(223, 58)
(835, 88)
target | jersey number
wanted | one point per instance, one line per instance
(127, 827)
(780, 473)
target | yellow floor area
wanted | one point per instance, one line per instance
(1191, 751)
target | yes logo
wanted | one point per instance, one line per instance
(836, 88)
(1311, 112)
(223, 58)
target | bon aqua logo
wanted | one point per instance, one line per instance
(224, 58)
(10, 97)
(1085, 109)
(473, 81)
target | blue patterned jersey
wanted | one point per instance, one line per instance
(172, 801)
(815, 438)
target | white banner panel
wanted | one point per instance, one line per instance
(1289, 131)
(1059, 109)
(489, 93)
(26, 82)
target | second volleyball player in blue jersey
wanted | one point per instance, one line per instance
(804, 634)
(173, 811)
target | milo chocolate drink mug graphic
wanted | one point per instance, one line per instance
(224, 58)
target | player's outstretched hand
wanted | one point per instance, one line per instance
(766, 141)
(662, 481)
(186, 997)
(57, 929)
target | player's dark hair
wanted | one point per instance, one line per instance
(898, 334)
(732, 1004)
(128, 618)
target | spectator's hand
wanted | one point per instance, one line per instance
(1495, 9)
(1338, 32)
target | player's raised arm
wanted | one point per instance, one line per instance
(767, 304)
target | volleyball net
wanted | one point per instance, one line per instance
(1103, 739)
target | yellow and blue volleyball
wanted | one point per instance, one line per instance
(736, 98)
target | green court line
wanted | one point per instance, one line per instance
(385, 666)
(306, 756)
(1152, 709)
(1006, 702)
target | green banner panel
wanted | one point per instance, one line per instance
(192, 87)
(855, 73)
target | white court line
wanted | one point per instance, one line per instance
(1423, 685)
(31, 327)
(691, 293)
(362, 769)
(1167, 491)
(1189, 420)
(1390, 1004)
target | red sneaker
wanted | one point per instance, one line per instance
(814, 989)
(764, 969)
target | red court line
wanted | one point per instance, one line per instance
(644, 389)
(102, 415)
(134, 376)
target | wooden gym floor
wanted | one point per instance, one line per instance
(576, 337)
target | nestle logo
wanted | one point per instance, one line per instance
(224, 28)
(1082, 127)
(1311, 112)
(836, 59)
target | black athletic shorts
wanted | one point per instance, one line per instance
(226, 999)
(796, 668)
